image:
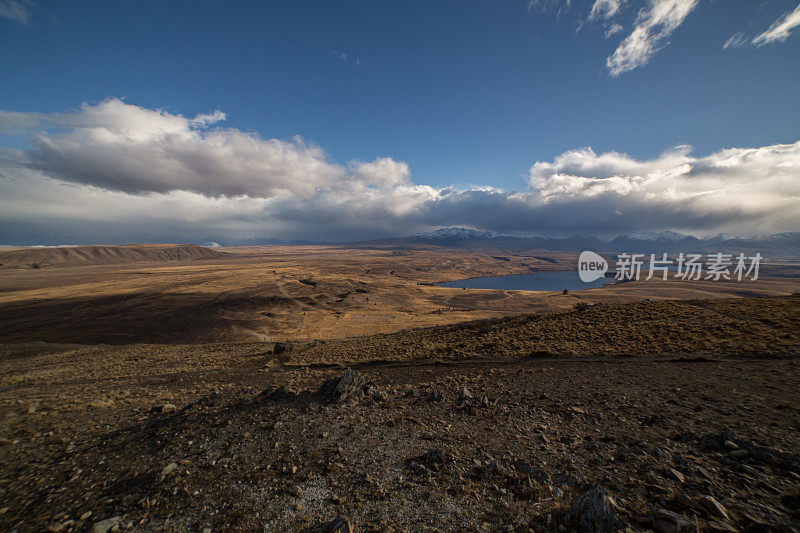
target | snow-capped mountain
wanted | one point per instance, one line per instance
(780, 245)
(655, 242)
(468, 233)
(654, 236)
(720, 237)
(458, 237)
(457, 233)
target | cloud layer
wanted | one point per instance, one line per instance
(654, 23)
(116, 172)
(733, 187)
(653, 26)
(780, 30)
(16, 10)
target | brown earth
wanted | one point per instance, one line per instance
(304, 292)
(660, 406)
(707, 440)
(35, 258)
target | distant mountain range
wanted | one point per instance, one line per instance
(777, 246)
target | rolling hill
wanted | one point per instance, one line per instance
(104, 255)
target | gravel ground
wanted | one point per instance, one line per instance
(671, 444)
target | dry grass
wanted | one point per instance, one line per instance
(742, 326)
(103, 255)
(258, 294)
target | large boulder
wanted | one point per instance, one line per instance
(349, 386)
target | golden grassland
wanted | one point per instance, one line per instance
(81, 376)
(300, 293)
(767, 326)
(165, 430)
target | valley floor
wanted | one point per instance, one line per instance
(300, 293)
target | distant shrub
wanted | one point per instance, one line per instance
(581, 306)
(281, 347)
(35, 266)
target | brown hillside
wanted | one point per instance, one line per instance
(721, 327)
(103, 255)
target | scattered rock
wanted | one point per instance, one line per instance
(434, 459)
(464, 397)
(677, 476)
(577, 410)
(468, 402)
(104, 526)
(169, 469)
(340, 524)
(165, 408)
(594, 511)
(435, 396)
(280, 347)
(714, 526)
(747, 448)
(295, 491)
(350, 385)
(669, 522)
(712, 506)
(376, 394)
(499, 468)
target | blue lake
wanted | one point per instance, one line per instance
(540, 281)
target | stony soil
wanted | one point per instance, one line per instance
(411, 449)
(249, 440)
(754, 327)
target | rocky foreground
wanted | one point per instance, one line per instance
(636, 444)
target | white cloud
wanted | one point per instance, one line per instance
(16, 11)
(550, 5)
(613, 30)
(127, 148)
(605, 9)
(117, 172)
(780, 30)
(383, 172)
(735, 41)
(653, 26)
(758, 185)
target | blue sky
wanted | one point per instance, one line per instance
(470, 94)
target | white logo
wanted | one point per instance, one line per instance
(591, 266)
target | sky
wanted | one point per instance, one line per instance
(319, 121)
